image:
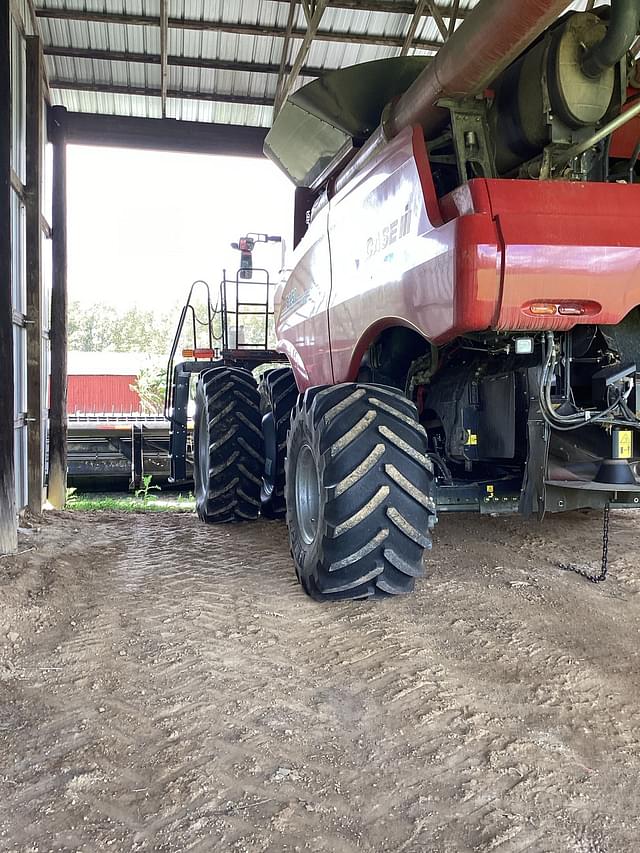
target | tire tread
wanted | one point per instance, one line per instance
(236, 456)
(377, 481)
(279, 389)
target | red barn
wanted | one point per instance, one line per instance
(101, 382)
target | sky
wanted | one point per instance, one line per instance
(143, 225)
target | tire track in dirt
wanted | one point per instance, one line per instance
(187, 696)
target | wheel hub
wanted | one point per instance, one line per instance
(307, 494)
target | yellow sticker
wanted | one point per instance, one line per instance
(489, 490)
(472, 439)
(625, 444)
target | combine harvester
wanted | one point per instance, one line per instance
(461, 318)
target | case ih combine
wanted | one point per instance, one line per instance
(461, 317)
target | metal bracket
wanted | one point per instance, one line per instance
(471, 138)
(137, 456)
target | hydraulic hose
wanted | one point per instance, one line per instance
(621, 33)
(584, 417)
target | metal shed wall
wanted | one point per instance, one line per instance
(18, 257)
(24, 280)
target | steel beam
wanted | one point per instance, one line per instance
(284, 68)
(413, 26)
(8, 519)
(400, 7)
(164, 134)
(33, 225)
(149, 92)
(231, 27)
(404, 8)
(455, 14)
(57, 491)
(37, 29)
(164, 50)
(298, 62)
(179, 61)
(437, 17)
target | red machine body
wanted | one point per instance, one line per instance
(626, 138)
(385, 251)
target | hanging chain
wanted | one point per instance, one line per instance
(570, 567)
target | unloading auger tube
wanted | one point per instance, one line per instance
(488, 40)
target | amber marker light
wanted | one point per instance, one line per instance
(543, 308)
(198, 353)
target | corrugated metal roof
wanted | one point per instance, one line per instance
(107, 52)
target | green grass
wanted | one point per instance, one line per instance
(152, 503)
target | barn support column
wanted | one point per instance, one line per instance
(33, 205)
(58, 387)
(8, 519)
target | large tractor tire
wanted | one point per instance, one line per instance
(228, 446)
(279, 390)
(359, 490)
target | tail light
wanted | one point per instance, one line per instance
(576, 308)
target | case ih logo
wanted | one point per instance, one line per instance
(396, 229)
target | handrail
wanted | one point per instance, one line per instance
(169, 387)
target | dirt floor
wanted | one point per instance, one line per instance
(166, 686)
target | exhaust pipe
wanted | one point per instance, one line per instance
(488, 40)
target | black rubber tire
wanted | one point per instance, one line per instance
(278, 387)
(374, 492)
(228, 448)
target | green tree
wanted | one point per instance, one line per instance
(91, 329)
(142, 331)
(100, 328)
(150, 387)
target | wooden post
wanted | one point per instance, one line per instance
(58, 332)
(8, 518)
(33, 203)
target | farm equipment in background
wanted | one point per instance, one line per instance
(237, 333)
(115, 434)
(462, 313)
(112, 449)
(117, 450)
